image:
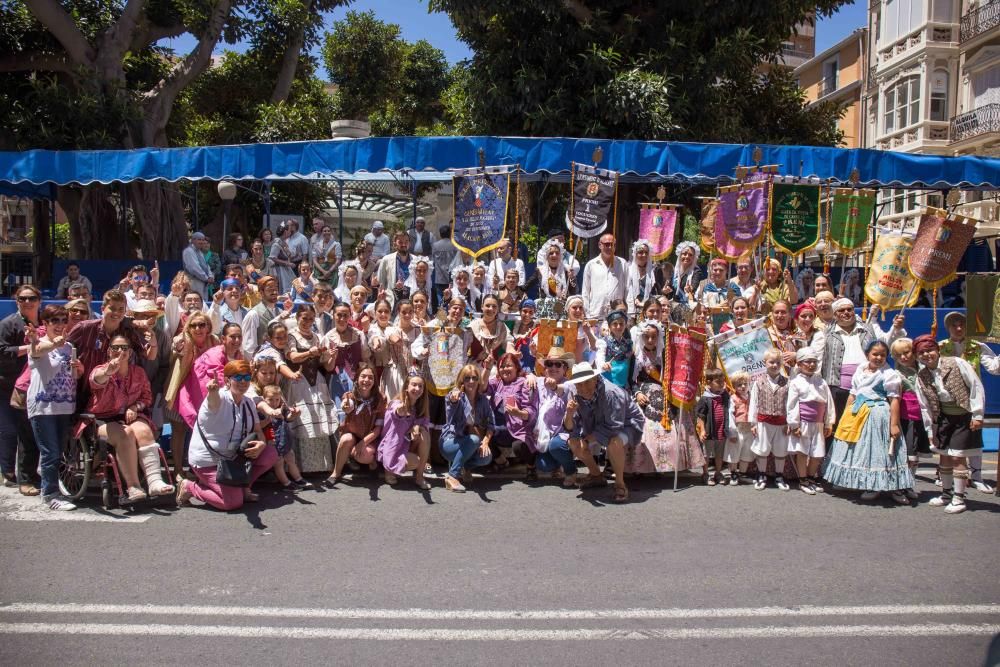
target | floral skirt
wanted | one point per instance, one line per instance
(664, 451)
(867, 464)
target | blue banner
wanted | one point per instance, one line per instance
(480, 210)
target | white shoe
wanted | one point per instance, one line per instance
(956, 507)
(940, 501)
(983, 486)
(869, 495)
(61, 504)
(780, 482)
(807, 489)
(760, 484)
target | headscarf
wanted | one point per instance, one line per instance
(411, 280)
(924, 343)
(841, 303)
(343, 293)
(799, 283)
(635, 275)
(559, 274)
(642, 357)
(805, 305)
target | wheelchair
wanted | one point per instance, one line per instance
(88, 463)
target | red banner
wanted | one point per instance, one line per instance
(942, 239)
(687, 363)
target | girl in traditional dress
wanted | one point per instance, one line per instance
(523, 332)
(378, 338)
(739, 450)
(782, 332)
(274, 348)
(421, 270)
(348, 275)
(361, 428)
(615, 351)
(868, 453)
(281, 255)
(739, 308)
(553, 280)
(350, 347)
(421, 307)
(805, 283)
(910, 420)
(461, 286)
(405, 443)
(640, 281)
(360, 316)
(489, 336)
(586, 336)
(304, 286)
(317, 420)
(850, 286)
(479, 282)
(806, 333)
(510, 294)
(400, 337)
(258, 264)
(659, 450)
(686, 275)
(811, 417)
(777, 285)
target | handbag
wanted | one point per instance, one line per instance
(235, 470)
(19, 399)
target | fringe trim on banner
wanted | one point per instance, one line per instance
(851, 225)
(960, 219)
(770, 218)
(501, 170)
(659, 257)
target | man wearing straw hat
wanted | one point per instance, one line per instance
(604, 416)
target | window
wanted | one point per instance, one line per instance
(944, 10)
(830, 76)
(902, 104)
(985, 87)
(939, 95)
(900, 18)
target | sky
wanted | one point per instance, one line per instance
(416, 23)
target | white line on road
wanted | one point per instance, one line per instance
(498, 614)
(500, 634)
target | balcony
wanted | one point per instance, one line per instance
(979, 121)
(980, 20)
(828, 86)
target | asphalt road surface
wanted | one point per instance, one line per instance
(505, 574)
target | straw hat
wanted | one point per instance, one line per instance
(582, 372)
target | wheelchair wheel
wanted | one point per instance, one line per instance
(107, 498)
(74, 469)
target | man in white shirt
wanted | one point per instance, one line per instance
(420, 238)
(195, 264)
(394, 268)
(502, 263)
(378, 240)
(604, 279)
(298, 244)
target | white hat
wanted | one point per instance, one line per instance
(146, 306)
(806, 353)
(581, 372)
(378, 224)
(842, 302)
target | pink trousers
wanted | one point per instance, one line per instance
(221, 497)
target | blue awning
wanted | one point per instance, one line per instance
(431, 158)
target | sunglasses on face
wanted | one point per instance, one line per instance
(59, 320)
(200, 325)
(242, 377)
(140, 279)
(27, 299)
(118, 348)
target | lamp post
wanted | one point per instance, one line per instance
(227, 193)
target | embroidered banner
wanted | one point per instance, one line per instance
(938, 248)
(444, 359)
(743, 210)
(554, 333)
(706, 226)
(593, 200)
(741, 350)
(982, 306)
(656, 225)
(795, 217)
(889, 281)
(480, 208)
(687, 362)
(852, 213)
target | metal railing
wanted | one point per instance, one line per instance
(828, 87)
(976, 122)
(872, 81)
(979, 20)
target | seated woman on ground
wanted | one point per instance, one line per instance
(361, 425)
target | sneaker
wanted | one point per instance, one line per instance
(911, 494)
(735, 480)
(711, 480)
(61, 504)
(780, 482)
(937, 481)
(817, 484)
(301, 483)
(940, 501)
(761, 483)
(982, 486)
(807, 488)
(957, 506)
(900, 498)
(869, 495)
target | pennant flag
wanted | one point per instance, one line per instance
(795, 217)
(849, 220)
(744, 211)
(982, 306)
(480, 208)
(686, 348)
(706, 227)
(942, 239)
(554, 333)
(593, 200)
(656, 225)
(724, 246)
(889, 281)
(742, 349)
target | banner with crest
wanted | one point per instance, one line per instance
(941, 240)
(554, 333)
(480, 208)
(445, 357)
(706, 226)
(657, 224)
(743, 210)
(686, 348)
(849, 219)
(742, 349)
(595, 195)
(889, 281)
(795, 213)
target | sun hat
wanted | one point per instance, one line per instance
(582, 372)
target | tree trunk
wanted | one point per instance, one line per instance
(43, 242)
(95, 231)
(159, 214)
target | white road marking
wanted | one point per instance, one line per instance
(500, 634)
(498, 614)
(15, 507)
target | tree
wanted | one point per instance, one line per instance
(395, 85)
(632, 69)
(88, 74)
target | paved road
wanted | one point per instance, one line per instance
(508, 574)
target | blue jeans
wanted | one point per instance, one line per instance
(558, 455)
(463, 452)
(17, 443)
(51, 435)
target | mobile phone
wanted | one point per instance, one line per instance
(72, 353)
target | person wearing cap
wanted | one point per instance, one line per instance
(811, 418)
(977, 354)
(196, 266)
(952, 402)
(554, 421)
(846, 341)
(443, 253)
(604, 416)
(226, 306)
(379, 241)
(605, 279)
(868, 453)
(420, 237)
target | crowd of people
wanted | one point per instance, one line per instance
(297, 360)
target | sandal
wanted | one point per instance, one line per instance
(422, 483)
(332, 481)
(391, 479)
(183, 495)
(621, 494)
(249, 496)
(593, 481)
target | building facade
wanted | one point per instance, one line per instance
(837, 75)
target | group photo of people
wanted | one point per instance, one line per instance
(405, 361)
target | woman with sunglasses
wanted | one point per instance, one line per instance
(227, 425)
(51, 398)
(120, 396)
(14, 424)
(208, 365)
(195, 339)
(468, 429)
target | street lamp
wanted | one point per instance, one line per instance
(227, 193)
